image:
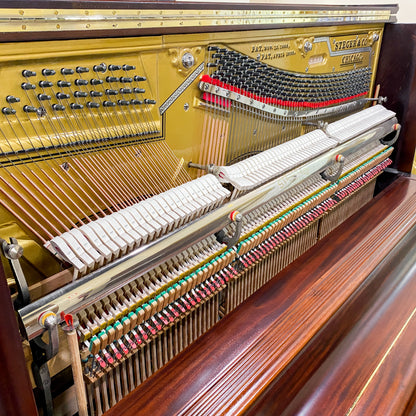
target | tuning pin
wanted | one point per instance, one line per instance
(30, 109)
(79, 82)
(100, 68)
(58, 107)
(45, 84)
(76, 106)
(63, 84)
(8, 111)
(67, 71)
(27, 73)
(62, 96)
(48, 72)
(80, 94)
(82, 69)
(12, 99)
(28, 86)
(44, 97)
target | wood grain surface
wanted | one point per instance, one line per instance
(396, 75)
(16, 396)
(247, 355)
(372, 371)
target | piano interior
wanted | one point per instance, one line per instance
(160, 166)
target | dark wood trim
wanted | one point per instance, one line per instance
(16, 395)
(396, 75)
(373, 369)
(312, 357)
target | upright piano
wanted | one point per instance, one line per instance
(206, 209)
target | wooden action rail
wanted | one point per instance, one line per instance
(259, 358)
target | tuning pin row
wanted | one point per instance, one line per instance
(238, 70)
(100, 68)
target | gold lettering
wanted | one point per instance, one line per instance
(355, 58)
(342, 45)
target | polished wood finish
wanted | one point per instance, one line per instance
(373, 369)
(396, 75)
(260, 357)
(16, 396)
